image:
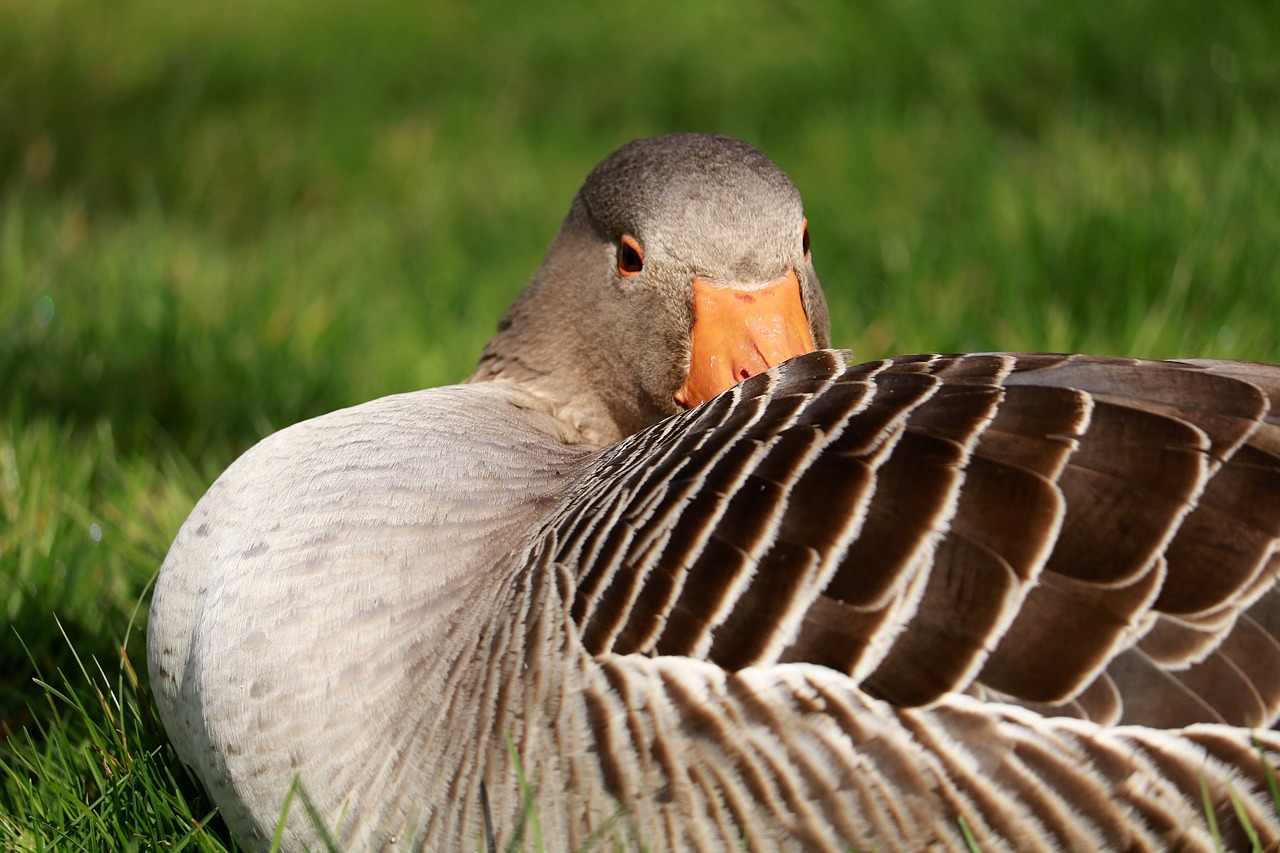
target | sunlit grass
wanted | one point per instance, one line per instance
(219, 219)
(93, 770)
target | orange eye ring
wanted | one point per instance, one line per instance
(630, 256)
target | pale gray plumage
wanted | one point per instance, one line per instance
(840, 606)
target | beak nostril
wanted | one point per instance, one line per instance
(740, 332)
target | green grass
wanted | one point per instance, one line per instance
(217, 219)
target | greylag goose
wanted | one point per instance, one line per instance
(607, 591)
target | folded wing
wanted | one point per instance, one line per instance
(1088, 536)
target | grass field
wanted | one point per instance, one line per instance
(218, 219)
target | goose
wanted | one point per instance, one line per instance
(668, 572)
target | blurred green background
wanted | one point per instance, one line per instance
(220, 218)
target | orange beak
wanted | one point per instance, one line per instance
(739, 333)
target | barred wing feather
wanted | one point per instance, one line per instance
(1090, 536)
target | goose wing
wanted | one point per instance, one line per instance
(1089, 536)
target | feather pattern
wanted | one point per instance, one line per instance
(1028, 597)
(925, 524)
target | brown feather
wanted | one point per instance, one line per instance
(926, 521)
(1176, 643)
(1233, 529)
(1065, 633)
(1152, 697)
(979, 579)
(1133, 478)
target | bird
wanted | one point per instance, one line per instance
(668, 572)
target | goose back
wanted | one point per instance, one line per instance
(1087, 535)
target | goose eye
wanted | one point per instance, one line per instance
(630, 258)
(804, 239)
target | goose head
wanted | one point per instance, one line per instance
(682, 268)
